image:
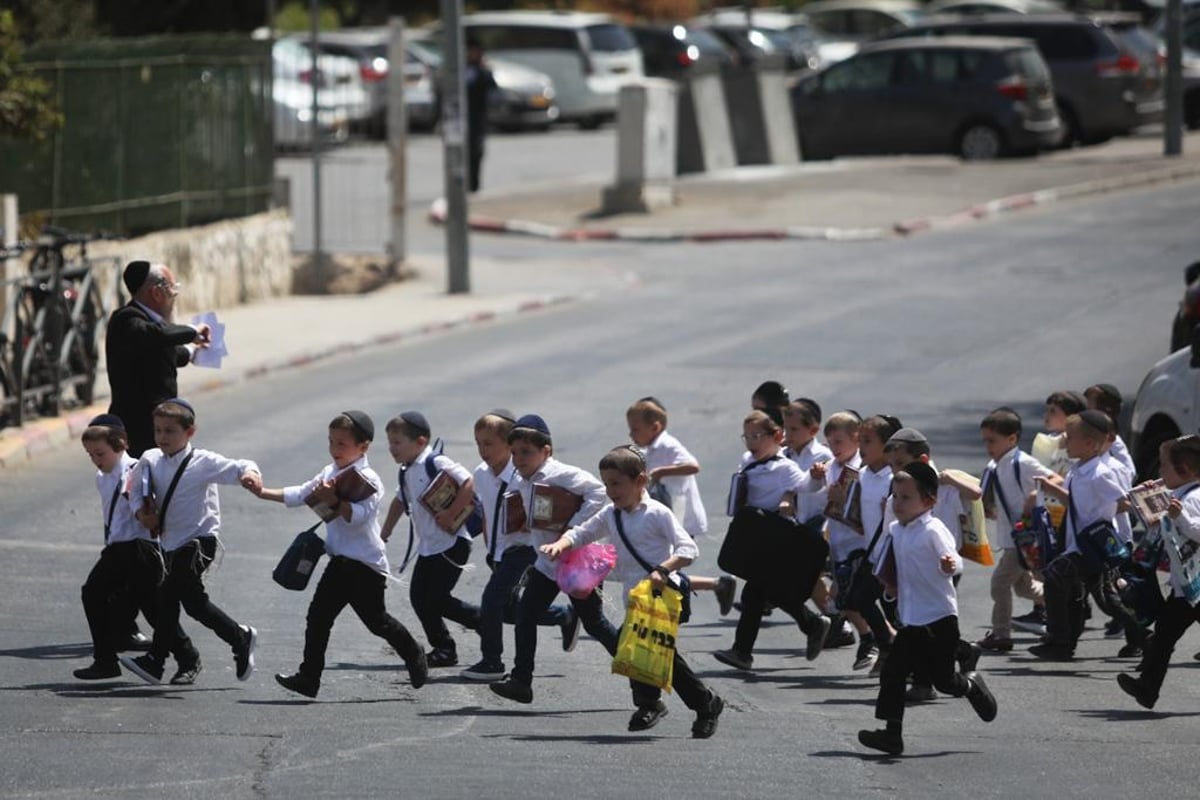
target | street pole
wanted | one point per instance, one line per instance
(454, 130)
(1173, 90)
(397, 138)
(314, 13)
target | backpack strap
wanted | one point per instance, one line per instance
(162, 512)
(112, 504)
(496, 520)
(646, 565)
(412, 532)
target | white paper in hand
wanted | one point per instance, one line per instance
(211, 356)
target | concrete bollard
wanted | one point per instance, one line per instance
(646, 144)
(705, 137)
(759, 111)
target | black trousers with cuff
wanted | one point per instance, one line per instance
(755, 597)
(433, 579)
(183, 586)
(928, 649)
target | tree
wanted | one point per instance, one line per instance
(26, 108)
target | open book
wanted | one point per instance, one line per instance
(439, 495)
(350, 486)
(1150, 501)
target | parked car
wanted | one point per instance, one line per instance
(291, 90)
(368, 48)
(1103, 88)
(968, 7)
(1187, 316)
(421, 104)
(1167, 405)
(523, 100)
(339, 76)
(861, 20)
(671, 51)
(588, 57)
(977, 97)
(766, 32)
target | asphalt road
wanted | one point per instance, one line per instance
(937, 330)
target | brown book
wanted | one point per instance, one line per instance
(1150, 501)
(350, 486)
(439, 495)
(553, 507)
(514, 513)
(839, 493)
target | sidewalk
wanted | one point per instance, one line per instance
(844, 199)
(399, 312)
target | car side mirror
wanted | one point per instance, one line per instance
(1195, 364)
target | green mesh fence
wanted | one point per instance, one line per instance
(160, 132)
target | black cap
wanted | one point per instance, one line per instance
(924, 476)
(502, 413)
(813, 407)
(1097, 420)
(107, 421)
(905, 436)
(772, 393)
(179, 401)
(652, 399)
(135, 275)
(416, 420)
(362, 423)
(535, 423)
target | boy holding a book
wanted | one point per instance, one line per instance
(346, 495)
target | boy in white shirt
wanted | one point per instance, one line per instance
(509, 554)
(174, 492)
(130, 565)
(645, 532)
(442, 549)
(1093, 493)
(533, 458)
(671, 470)
(1009, 490)
(358, 567)
(1107, 398)
(924, 558)
(801, 423)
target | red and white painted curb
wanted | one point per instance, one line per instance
(909, 227)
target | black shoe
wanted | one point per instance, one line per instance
(735, 659)
(99, 672)
(706, 721)
(243, 654)
(890, 743)
(968, 656)
(418, 669)
(815, 640)
(513, 690)
(570, 630)
(839, 634)
(1196, 657)
(867, 655)
(186, 676)
(437, 658)
(1049, 651)
(646, 718)
(981, 697)
(1113, 629)
(484, 671)
(146, 667)
(1134, 688)
(725, 591)
(918, 693)
(1034, 622)
(994, 644)
(137, 642)
(298, 683)
(1130, 651)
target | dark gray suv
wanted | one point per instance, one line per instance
(1104, 87)
(977, 97)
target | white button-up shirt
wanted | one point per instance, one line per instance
(1095, 490)
(357, 538)
(810, 504)
(924, 593)
(843, 539)
(431, 539)
(555, 473)
(114, 501)
(490, 486)
(1187, 529)
(195, 508)
(768, 482)
(1002, 477)
(667, 451)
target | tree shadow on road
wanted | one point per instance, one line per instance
(50, 651)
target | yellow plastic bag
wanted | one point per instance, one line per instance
(646, 649)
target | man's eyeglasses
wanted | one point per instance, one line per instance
(170, 288)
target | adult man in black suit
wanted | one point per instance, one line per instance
(144, 349)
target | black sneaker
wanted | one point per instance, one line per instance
(867, 654)
(918, 693)
(418, 668)
(1034, 622)
(734, 659)
(1049, 651)
(1129, 651)
(298, 683)
(981, 697)
(146, 667)
(484, 671)
(135, 642)
(646, 718)
(1134, 688)
(725, 591)
(513, 690)
(815, 641)
(243, 654)
(1113, 629)
(968, 656)
(438, 658)
(706, 721)
(994, 644)
(570, 630)
(890, 743)
(186, 675)
(98, 671)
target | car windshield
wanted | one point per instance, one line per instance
(610, 38)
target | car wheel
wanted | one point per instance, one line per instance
(1072, 131)
(980, 141)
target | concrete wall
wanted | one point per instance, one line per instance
(220, 265)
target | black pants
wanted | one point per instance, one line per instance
(1175, 617)
(691, 690)
(183, 586)
(1103, 588)
(928, 649)
(124, 580)
(475, 159)
(1064, 584)
(754, 600)
(539, 593)
(433, 578)
(349, 582)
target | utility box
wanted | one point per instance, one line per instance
(646, 146)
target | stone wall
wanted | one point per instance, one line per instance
(223, 264)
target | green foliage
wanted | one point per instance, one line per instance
(27, 110)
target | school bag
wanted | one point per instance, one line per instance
(1099, 544)
(299, 560)
(646, 646)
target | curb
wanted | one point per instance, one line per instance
(976, 213)
(24, 444)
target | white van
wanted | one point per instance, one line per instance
(1167, 406)
(588, 56)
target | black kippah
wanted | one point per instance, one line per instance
(417, 421)
(362, 423)
(135, 275)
